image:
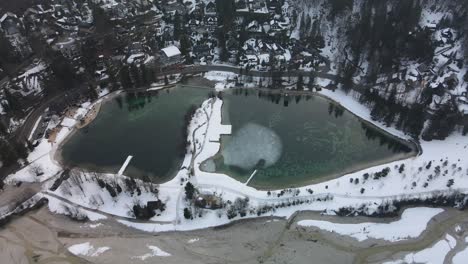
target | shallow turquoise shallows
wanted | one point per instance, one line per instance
(294, 140)
(148, 127)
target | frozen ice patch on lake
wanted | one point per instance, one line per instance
(250, 145)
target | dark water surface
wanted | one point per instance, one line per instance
(148, 127)
(292, 140)
(289, 140)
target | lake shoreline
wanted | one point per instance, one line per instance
(328, 177)
(112, 169)
(355, 168)
(352, 168)
(57, 154)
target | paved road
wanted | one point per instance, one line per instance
(133, 220)
(205, 68)
(24, 131)
(196, 69)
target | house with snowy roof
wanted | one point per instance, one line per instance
(210, 8)
(170, 55)
(211, 23)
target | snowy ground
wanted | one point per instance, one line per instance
(412, 223)
(224, 80)
(461, 257)
(42, 157)
(422, 176)
(86, 249)
(155, 251)
(434, 254)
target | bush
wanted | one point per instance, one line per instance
(366, 176)
(450, 183)
(111, 190)
(428, 166)
(382, 174)
(402, 168)
(101, 183)
(143, 212)
(75, 213)
(189, 191)
(231, 212)
(187, 213)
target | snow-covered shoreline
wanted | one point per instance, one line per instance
(412, 223)
(205, 131)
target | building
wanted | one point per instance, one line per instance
(10, 24)
(210, 9)
(69, 47)
(170, 55)
(11, 27)
(209, 201)
(211, 23)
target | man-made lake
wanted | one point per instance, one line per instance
(148, 127)
(293, 140)
(289, 140)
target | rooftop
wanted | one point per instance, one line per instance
(171, 51)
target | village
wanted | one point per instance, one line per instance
(62, 60)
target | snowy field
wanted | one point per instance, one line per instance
(461, 257)
(42, 164)
(432, 255)
(411, 225)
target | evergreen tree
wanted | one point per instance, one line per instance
(300, 83)
(125, 79)
(339, 6)
(177, 26)
(135, 74)
(187, 213)
(226, 12)
(14, 104)
(442, 123)
(144, 75)
(311, 83)
(189, 190)
(415, 120)
(391, 107)
(185, 45)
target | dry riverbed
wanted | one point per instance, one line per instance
(42, 237)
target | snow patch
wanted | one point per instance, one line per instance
(193, 240)
(412, 223)
(155, 252)
(434, 254)
(86, 249)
